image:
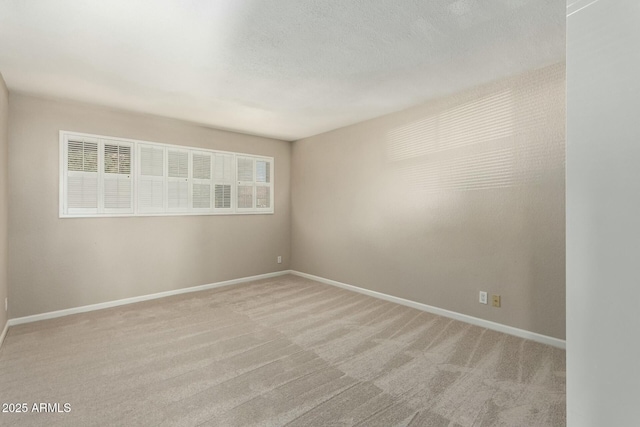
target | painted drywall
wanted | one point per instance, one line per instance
(438, 202)
(58, 263)
(603, 213)
(4, 202)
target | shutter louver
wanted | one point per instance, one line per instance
(118, 185)
(82, 191)
(150, 195)
(178, 180)
(263, 197)
(223, 181)
(75, 156)
(263, 171)
(245, 170)
(178, 164)
(201, 193)
(223, 196)
(245, 196)
(245, 183)
(82, 176)
(117, 193)
(202, 196)
(223, 168)
(263, 184)
(151, 179)
(178, 195)
(82, 156)
(201, 166)
(151, 161)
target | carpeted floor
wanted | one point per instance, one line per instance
(281, 351)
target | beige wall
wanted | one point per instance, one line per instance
(431, 204)
(61, 263)
(438, 202)
(4, 205)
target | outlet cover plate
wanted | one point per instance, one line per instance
(483, 297)
(496, 300)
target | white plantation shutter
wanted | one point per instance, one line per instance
(263, 184)
(177, 180)
(223, 181)
(201, 180)
(118, 180)
(82, 191)
(255, 184)
(81, 176)
(109, 176)
(245, 183)
(151, 178)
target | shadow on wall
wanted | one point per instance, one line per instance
(483, 144)
(436, 202)
(482, 186)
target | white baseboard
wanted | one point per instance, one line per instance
(100, 306)
(417, 305)
(4, 333)
(544, 339)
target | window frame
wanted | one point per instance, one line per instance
(136, 170)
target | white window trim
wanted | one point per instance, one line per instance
(135, 172)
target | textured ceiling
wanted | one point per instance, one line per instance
(284, 68)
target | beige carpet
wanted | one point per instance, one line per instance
(282, 351)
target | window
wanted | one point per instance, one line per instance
(97, 176)
(223, 184)
(177, 180)
(116, 178)
(150, 178)
(103, 176)
(254, 184)
(201, 182)
(81, 178)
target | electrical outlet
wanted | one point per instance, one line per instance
(279, 259)
(496, 300)
(483, 297)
